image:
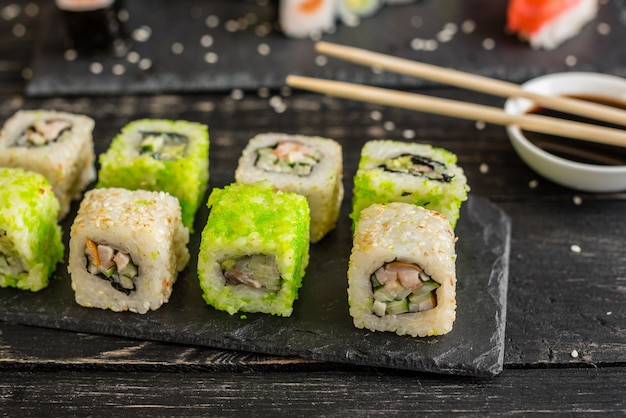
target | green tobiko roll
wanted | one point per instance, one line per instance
(395, 171)
(254, 249)
(160, 155)
(30, 238)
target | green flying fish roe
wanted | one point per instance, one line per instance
(247, 220)
(443, 190)
(30, 238)
(180, 168)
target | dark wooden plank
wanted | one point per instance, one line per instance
(584, 391)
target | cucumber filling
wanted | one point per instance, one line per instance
(400, 287)
(256, 271)
(291, 157)
(10, 262)
(164, 146)
(113, 265)
(43, 132)
(417, 165)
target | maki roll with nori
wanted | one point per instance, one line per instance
(308, 165)
(394, 171)
(402, 274)
(58, 145)
(160, 155)
(126, 249)
(254, 249)
(30, 238)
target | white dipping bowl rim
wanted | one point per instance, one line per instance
(575, 175)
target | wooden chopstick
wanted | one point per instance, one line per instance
(463, 110)
(471, 82)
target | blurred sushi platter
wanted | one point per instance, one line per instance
(192, 45)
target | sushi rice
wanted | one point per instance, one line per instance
(126, 249)
(402, 273)
(308, 165)
(58, 145)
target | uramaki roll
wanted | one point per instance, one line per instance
(402, 273)
(308, 165)
(126, 249)
(254, 249)
(160, 155)
(30, 238)
(58, 145)
(395, 171)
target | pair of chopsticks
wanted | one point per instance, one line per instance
(463, 110)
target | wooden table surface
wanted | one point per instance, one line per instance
(565, 349)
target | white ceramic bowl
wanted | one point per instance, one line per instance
(575, 175)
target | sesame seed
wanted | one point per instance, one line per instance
(145, 63)
(95, 68)
(480, 125)
(321, 60)
(263, 29)
(19, 30)
(417, 21)
(574, 354)
(263, 92)
(276, 101)
(142, 34)
(263, 49)
(133, 57)
(408, 134)
(206, 41)
(212, 21)
(533, 184)
(483, 168)
(577, 200)
(177, 48)
(10, 12)
(389, 126)
(468, 26)
(376, 115)
(575, 248)
(210, 57)
(237, 94)
(231, 25)
(285, 91)
(571, 60)
(118, 69)
(489, 44)
(31, 9)
(27, 73)
(70, 54)
(603, 28)
(123, 15)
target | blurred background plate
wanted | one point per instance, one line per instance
(196, 45)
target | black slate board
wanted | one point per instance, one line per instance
(320, 327)
(487, 49)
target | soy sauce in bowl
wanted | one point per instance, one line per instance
(578, 150)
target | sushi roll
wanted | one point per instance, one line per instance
(394, 171)
(548, 23)
(126, 249)
(254, 249)
(58, 145)
(30, 238)
(306, 18)
(350, 11)
(160, 155)
(308, 165)
(402, 274)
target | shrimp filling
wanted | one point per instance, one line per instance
(164, 146)
(113, 265)
(288, 157)
(43, 132)
(256, 271)
(400, 287)
(417, 165)
(10, 263)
